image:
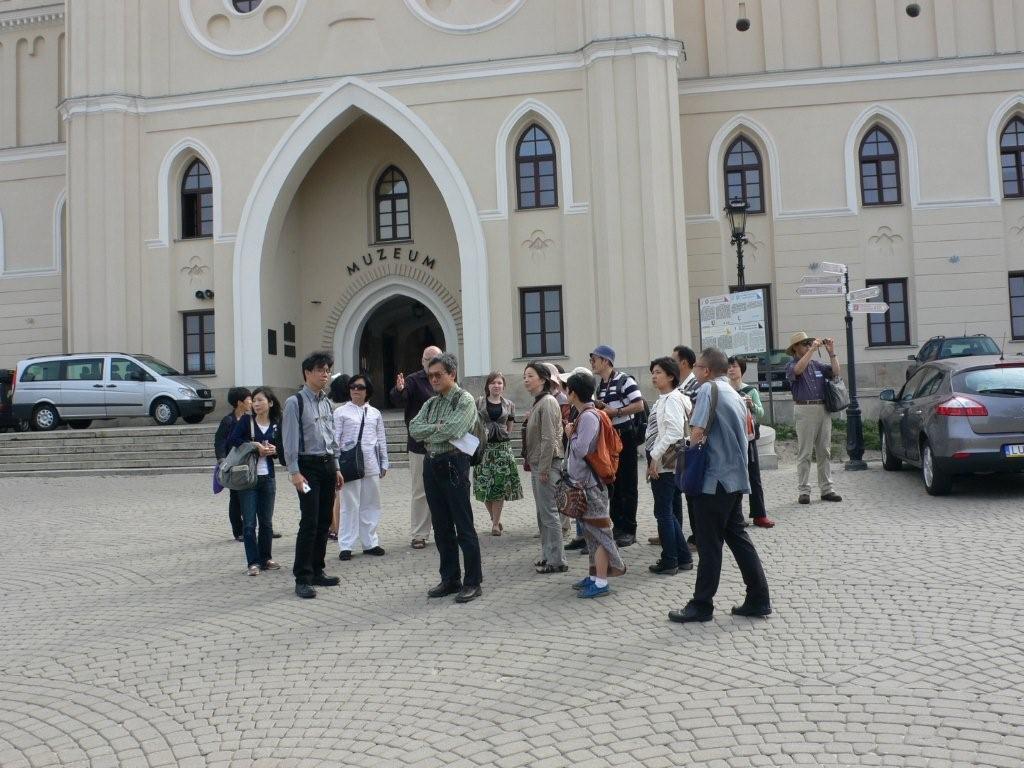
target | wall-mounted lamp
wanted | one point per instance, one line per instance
(913, 10)
(207, 294)
(743, 23)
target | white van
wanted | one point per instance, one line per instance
(77, 389)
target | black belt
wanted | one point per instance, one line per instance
(809, 402)
(321, 457)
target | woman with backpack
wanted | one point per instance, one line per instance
(543, 448)
(584, 434)
(750, 395)
(496, 477)
(358, 422)
(262, 427)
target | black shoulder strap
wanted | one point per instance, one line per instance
(362, 423)
(302, 437)
(714, 407)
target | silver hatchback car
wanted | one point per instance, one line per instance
(956, 417)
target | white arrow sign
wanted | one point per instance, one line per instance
(819, 280)
(832, 268)
(819, 290)
(868, 307)
(871, 292)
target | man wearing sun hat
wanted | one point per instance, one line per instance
(806, 377)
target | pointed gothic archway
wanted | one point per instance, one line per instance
(284, 171)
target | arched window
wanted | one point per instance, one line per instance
(536, 183)
(391, 201)
(197, 201)
(1011, 157)
(879, 169)
(743, 175)
(246, 6)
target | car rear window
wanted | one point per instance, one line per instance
(992, 381)
(48, 371)
(969, 347)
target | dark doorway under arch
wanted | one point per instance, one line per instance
(392, 341)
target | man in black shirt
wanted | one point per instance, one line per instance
(618, 395)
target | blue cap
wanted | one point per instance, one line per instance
(603, 350)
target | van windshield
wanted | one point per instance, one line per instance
(160, 367)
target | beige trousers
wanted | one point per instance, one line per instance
(420, 528)
(813, 433)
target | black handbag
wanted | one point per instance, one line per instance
(350, 461)
(692, 461)
(837, 396)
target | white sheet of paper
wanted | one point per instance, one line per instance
(467, 443)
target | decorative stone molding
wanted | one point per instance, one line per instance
(277, 20)
(27, 17)
(476, 15)
(194, 269)
(537, 243)
(884, 241)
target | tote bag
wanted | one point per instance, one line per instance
(350, 461)
(692, 461)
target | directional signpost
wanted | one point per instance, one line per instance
(836, 282)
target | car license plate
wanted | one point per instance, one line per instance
(1013, 451)
(208, 403)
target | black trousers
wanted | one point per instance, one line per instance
(756, 489)
(446, 483)
(624, 495)
(235, 513)
(316, 508)
(720, 520)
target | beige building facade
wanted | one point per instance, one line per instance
(229, 185)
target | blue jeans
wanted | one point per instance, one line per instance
(674, 551)
(258, 507)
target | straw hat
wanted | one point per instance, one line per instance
(795, 339)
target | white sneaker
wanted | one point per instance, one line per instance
(254, 570)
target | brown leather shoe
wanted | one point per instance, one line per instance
(654, 541)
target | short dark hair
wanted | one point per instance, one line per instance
(715, 360)
(669, 366)
(317, 360)
(447, 360)
(237, 395)
(366, 382)
(275, 404)
(339, 388)
(685, 353)
(582, 385)
(542, 371)
(740, 362)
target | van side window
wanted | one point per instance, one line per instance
(48, 371)
(126, 370)
(83, 370)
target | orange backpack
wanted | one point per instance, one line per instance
(604, 459)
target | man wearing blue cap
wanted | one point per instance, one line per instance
(619, 396)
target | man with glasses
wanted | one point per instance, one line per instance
(807, 377)
(311, 453)
(447, 417)
(412, 392)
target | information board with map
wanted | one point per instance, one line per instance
(734, 322)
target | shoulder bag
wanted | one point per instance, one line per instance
(237, 472)
(350, 461)
(837, 396)
(692, 461)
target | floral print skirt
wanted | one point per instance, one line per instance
(496, 478)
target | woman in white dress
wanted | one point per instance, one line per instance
(360, 499)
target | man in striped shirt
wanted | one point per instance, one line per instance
(445, 417)
(618, 395)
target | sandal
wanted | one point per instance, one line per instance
(539, 563)
(496, 530)
(552, 568)
(418, 543)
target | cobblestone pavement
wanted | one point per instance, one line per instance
(131, 637)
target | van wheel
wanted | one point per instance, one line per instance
(165, 412)
(45, 418)
(937, 483)
(889, 462)
(80, 424)
(195, 418)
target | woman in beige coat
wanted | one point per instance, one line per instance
(544, 453)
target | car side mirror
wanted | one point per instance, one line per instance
(887, 395)
(912, 357)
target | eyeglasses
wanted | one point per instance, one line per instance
(807, 343)
(434, 376)
(357, 386)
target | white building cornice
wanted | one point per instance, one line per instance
(35, 152)
(26, 17)
(596, 50)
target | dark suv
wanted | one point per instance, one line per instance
(944, 347)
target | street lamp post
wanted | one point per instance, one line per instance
(736, 210)
(854, 427)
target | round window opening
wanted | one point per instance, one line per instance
(246, 6)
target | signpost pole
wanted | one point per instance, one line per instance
(854, 428)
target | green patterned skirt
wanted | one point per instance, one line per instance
(496, 478)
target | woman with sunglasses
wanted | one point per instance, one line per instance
(360, 499)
